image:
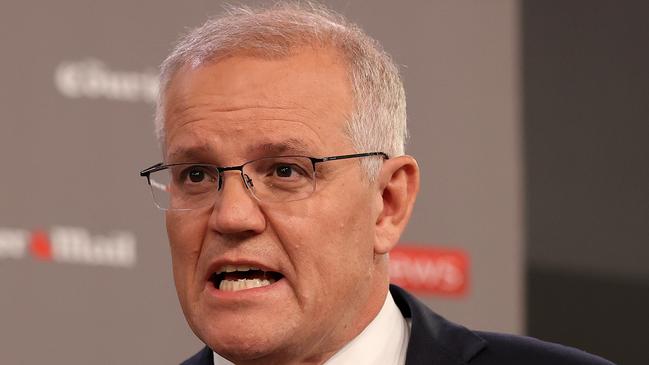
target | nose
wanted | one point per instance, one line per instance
(235, 211)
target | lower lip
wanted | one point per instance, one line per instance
(246, 294)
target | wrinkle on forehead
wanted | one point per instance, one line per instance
(199, 127)
(180, 108)
(186, 113)
(207, 120)
(239, 104)
(308, 104)
(204, 140)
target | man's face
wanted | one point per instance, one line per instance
(239, 109)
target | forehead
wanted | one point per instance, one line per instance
(244, 103)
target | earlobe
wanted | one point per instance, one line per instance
(398, 186)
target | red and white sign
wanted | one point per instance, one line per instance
(69, 245)
(430, 270)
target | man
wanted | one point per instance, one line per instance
(285, 186)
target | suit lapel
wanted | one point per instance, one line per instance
(433, 339)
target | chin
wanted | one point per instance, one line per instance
(242, 347)
(235, 338)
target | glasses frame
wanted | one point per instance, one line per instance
(221, 169)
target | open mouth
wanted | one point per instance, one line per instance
(241, 277)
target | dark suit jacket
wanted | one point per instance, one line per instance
(436, 341)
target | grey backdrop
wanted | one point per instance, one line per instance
(76, 127)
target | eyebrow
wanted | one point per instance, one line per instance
(265, 149)
(290, 146)
(189, 153)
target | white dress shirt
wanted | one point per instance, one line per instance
(384, 341)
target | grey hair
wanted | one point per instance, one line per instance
(378, 121)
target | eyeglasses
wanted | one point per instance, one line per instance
(187, 186)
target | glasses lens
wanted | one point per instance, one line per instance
(277, 179)
(186, 186)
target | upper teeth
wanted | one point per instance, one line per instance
(233, 268)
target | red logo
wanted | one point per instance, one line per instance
(40, 247)
(430, 270)
(69, 245)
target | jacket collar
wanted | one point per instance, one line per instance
(433, 339)
(203, 357)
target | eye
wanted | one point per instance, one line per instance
(280, 170)
(196, 175)
(284, 170)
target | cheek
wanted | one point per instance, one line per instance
(349, 231)
(327, 239)
(186, 232)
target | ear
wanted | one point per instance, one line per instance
(398, 184)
